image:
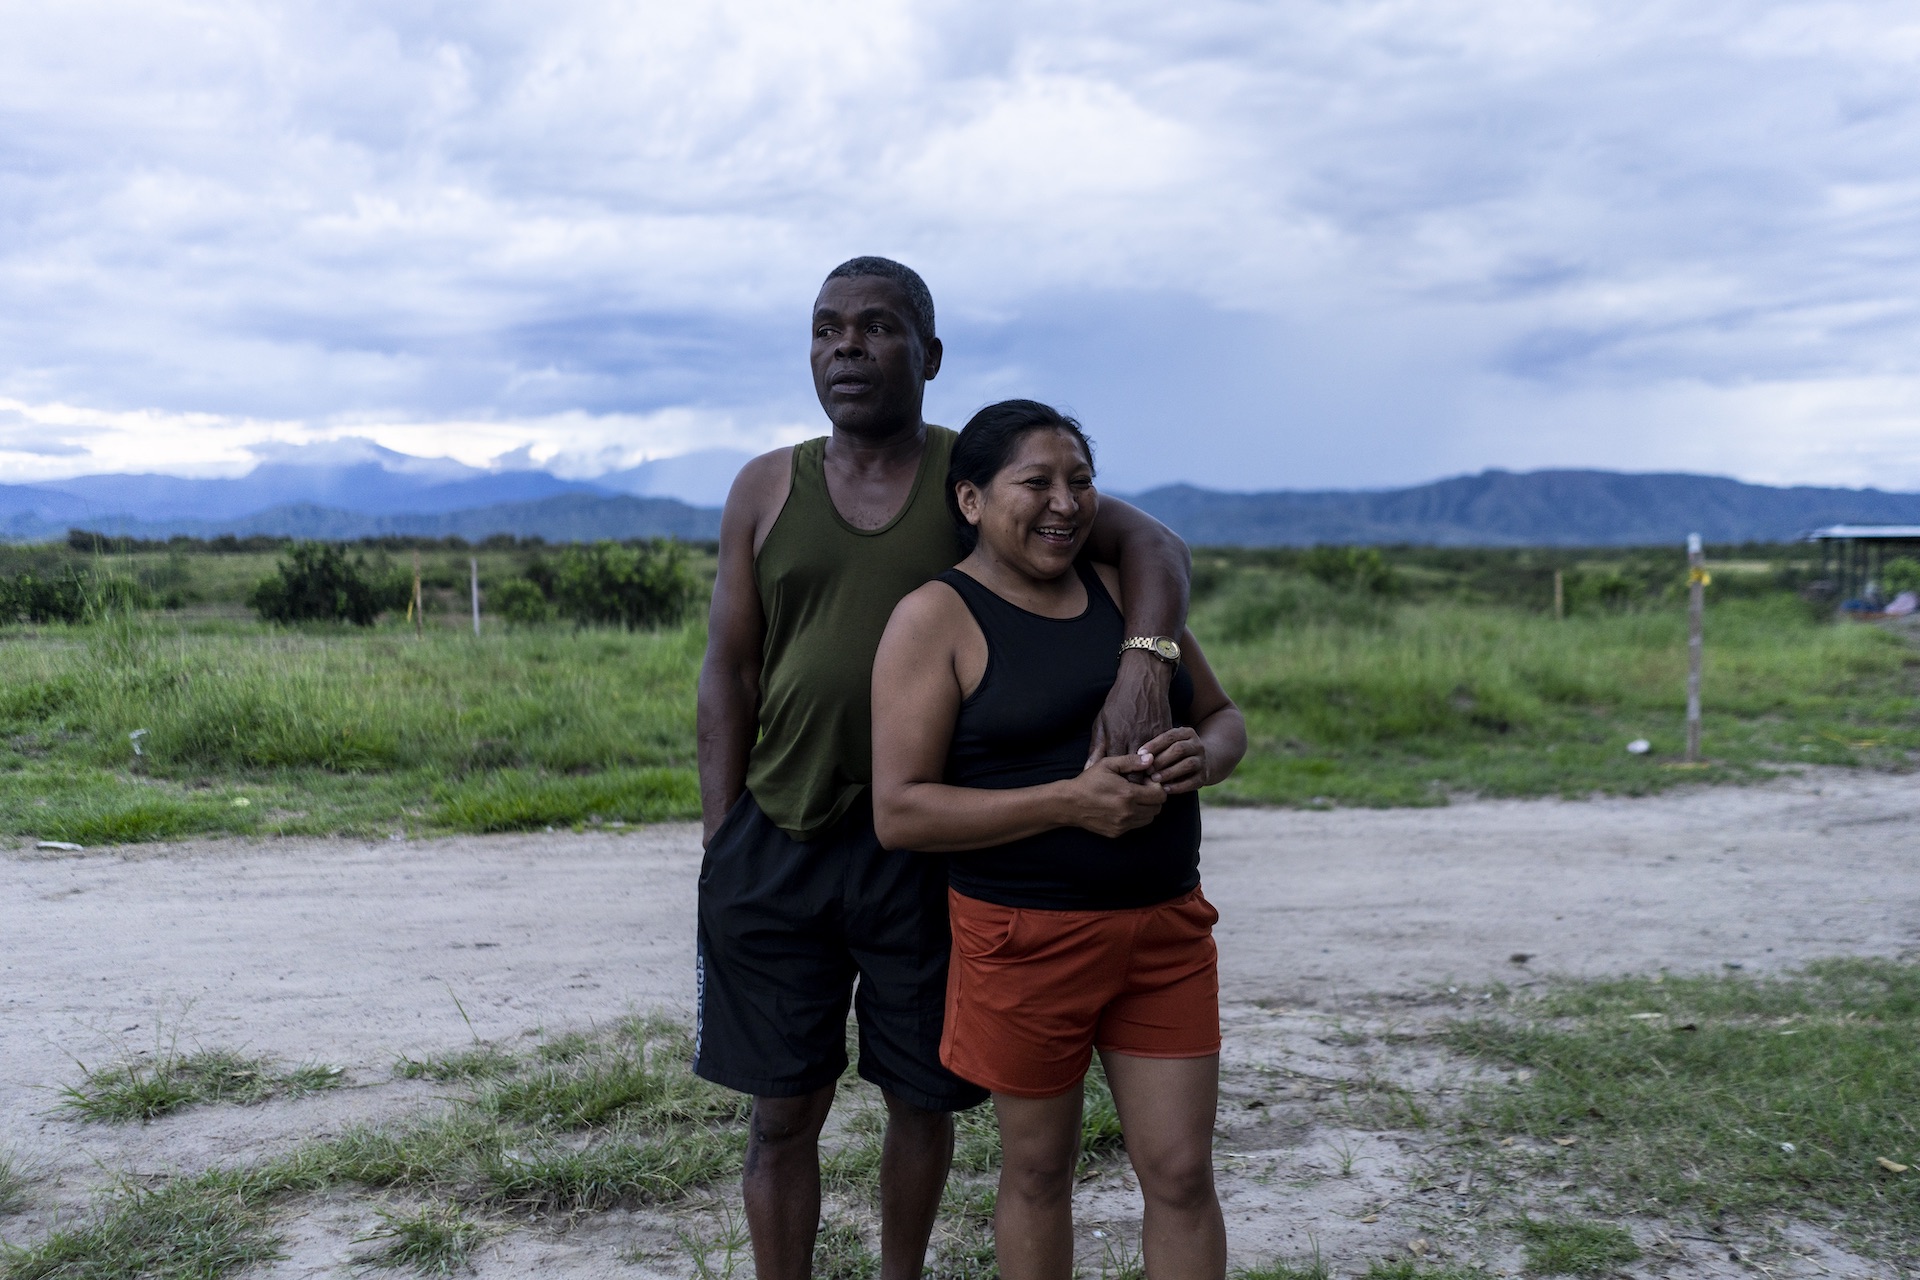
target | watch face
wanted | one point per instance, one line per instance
(1167, 649)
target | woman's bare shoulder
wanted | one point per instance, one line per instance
(930, 605)
(1110, 578)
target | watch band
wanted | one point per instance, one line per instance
(1161, 647)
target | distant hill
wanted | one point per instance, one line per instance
(1538, 508)
(362, 491)
(569, 517)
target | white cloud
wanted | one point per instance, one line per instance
(590, 229)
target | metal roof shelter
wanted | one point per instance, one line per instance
(1851, 555)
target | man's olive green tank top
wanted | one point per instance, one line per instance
(827, 589)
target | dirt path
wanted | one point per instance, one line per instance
(356, 953)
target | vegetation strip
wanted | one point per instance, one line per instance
(1369, 678)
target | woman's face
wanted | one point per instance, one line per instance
(1036, 513)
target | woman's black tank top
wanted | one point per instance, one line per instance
(1031, 722)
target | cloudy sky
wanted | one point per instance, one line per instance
(1254, 245)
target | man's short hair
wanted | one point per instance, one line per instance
(919, 300)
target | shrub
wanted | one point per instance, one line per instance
(317, 582)
(32, 597)
(520, 601)
(1360, 568)
(1902, 573)
(643, 586)
(1609, 589)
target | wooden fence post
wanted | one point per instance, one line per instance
(474, 564)
(416, 608)
(1696, 603)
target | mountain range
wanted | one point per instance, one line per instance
(355, 488)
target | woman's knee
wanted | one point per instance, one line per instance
(1039, 1178)
(1181, 1182)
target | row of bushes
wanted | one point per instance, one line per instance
(69, 595)
(634, 586)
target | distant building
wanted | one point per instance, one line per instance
(1852, 556)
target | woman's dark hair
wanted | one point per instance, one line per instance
(986, 445)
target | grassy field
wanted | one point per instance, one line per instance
(1404, 680)
(1611, 1118)
(1724, 1098)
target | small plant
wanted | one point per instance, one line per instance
(13, 1183)
(1408, 1269)
(1313, 1267)
(481, 1062)
(317, 582)
(718, 1256)
(841, 1253)
(436, 1240)
(147, 1091)
(1120, 1259)
(1569, 1246)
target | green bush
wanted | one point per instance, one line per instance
(317, 582)
(53, 597)
(519, 600)
(1359, 568)
(1902, 573)
(638, 587)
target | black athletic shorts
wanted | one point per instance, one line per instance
(786, 926)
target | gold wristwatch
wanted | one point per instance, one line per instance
(1161, 647)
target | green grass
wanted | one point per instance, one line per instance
(13, 1183)
(1408, 1269)
(1453, 682)
(191, 1229)
(1313, 1267)
(436, 1240)
(147, 1091)
(1724, 1095)
(840, 1252)
(1570, 1247)
(481, 1062)
(1441, 698)
(585, 1123)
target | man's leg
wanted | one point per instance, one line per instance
(914, 1161)
(1167, 1108)
(781, 1184)
(1033, 1217)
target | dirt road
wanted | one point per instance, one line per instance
(354, 953)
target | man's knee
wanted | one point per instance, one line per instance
(917, 1124)
(788, 1122)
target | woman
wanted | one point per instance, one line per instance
(1078, 921)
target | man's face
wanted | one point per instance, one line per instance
(870, 368)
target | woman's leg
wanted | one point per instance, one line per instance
(1033, 1218)
(1166, 1110)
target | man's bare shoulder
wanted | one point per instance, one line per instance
(760, 480)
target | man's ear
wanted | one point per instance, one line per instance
(932, 363)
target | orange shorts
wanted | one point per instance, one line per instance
(1031, 994)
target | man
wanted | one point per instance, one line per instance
(818, 542)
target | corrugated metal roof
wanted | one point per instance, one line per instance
(1867, 533)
